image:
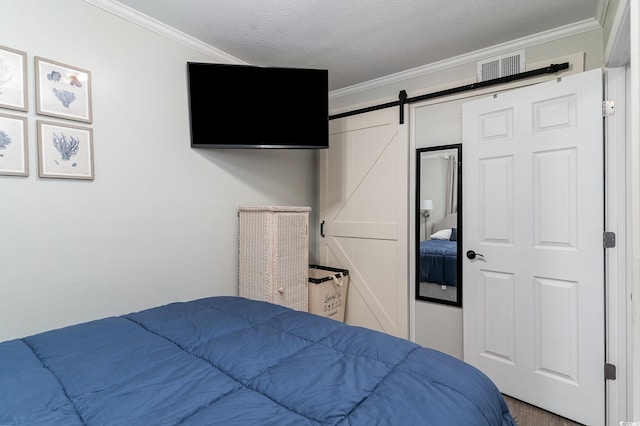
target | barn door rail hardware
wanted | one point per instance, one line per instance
(403, 99)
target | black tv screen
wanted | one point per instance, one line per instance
(242, 106)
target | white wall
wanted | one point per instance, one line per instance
(159, 222)
(439, 326)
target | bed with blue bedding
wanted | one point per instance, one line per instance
(438, 255)
(234, 361)
(439, 262)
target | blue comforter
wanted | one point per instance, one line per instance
(233, 361)
(438, 262)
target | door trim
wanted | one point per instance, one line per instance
(617, 270)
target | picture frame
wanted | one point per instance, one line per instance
(14, 147)
(65, 151)
(62, 91)
(13, 79)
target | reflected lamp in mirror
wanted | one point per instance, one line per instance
(426, 206)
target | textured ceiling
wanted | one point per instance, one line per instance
(361, 40)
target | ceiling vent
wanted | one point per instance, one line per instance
(501, 66)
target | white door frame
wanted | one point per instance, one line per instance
(617, 270)
(618, 216)
(634, 141)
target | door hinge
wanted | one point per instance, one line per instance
(609, 239)
(608, 108)
(609, 372)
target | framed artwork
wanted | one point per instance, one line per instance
(14, 158)
(64, 151)
(13, 79)
(62, 91)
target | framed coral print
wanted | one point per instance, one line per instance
(64, 151)
(14, 159)
(13, 79)
(62, 91)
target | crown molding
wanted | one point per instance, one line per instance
(601, 11)
(499, 49)
(132, 15)
(618, 48)
(158, 27)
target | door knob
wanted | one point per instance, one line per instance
(472, 254)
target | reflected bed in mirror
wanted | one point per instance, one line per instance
(438, 224)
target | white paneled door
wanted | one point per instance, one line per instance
(363, 208)
(533, 213)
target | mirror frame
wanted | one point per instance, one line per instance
(418, 215)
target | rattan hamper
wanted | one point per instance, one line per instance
(274, 255)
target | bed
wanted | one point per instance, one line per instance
(438, 257)
(234, 361)
(438, 262)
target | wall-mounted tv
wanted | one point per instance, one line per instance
(242, 106)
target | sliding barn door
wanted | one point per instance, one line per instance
(534, 200)
(364, 208)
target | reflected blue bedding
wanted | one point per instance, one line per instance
(438, 262)
(233, 361)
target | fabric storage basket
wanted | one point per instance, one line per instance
(328, 289)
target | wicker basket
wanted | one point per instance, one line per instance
(274, 255)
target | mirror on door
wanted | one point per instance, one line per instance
(439, 224)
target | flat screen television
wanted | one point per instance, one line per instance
(242, 106)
